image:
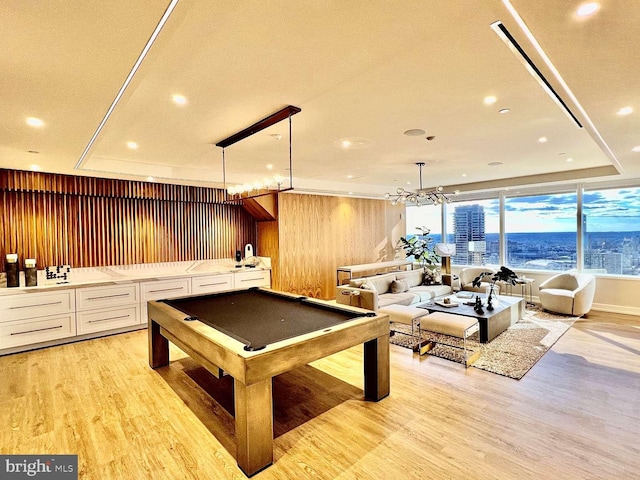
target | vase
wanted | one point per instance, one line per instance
(493, 290)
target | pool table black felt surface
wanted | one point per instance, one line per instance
(258, 318)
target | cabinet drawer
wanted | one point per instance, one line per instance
(161, 289)
(108, 296)
(27, 332)
(260, 278)
(107, 319)
(211, 283)
(33, 305)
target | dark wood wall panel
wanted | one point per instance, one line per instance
(86, 222)
(319, 233)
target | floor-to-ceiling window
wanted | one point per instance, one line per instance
(611, 231)
(540, 231)
(474, 227)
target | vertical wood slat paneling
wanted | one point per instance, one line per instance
(105, 222)
(316, 234)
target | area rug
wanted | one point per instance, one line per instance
(511, 354)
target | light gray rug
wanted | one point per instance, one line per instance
(512, 353)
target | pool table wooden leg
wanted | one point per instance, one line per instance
(376, 368)
(254, 426)
(158, 347)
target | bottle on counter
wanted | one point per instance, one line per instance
(11, 268)
(30, 272)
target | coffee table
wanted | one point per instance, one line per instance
(507, 311)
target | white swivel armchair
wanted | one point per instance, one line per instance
(468, 274)
(568, 293)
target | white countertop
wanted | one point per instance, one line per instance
(118, 274)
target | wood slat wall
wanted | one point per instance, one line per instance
(86, 222)
(319, 233)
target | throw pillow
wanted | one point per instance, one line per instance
(367, 285)
(428, 278)
(399, 286)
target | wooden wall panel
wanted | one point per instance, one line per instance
(269, 246)
(85, 222)
(319, 233)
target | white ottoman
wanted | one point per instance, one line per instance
(453, 326)
(404, 314)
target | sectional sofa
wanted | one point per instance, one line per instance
(394, 288)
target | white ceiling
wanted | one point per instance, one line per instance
(359, 70)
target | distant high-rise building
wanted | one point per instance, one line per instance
(469, 236)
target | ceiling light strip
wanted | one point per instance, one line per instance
(126, 83)
(591, 127)
(519, 52)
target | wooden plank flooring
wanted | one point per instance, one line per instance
(575, 415)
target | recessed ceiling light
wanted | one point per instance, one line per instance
(349, 177)
(636, 148)
(269, 166)
(464, 174)
(490, 100)
(150, 179)
(494, 164)
(504, 110)
(414, 132)
(569, 159)
(587, 9)
(542, 140)
(624, 111)
(34, 168)
(346, 143)
(350, 193)
(34, 122)
(179, 99)
(132, 145)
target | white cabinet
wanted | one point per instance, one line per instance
(107, 307)
(28, 305)
(17, 333)
(211, 283)
(32, 318)
(160, 290)
(103, 319)
(107, 296)
(254, 278)
(36, 316)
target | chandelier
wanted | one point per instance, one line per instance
(420, 197)
(268, 185)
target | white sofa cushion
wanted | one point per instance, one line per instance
(413, 277)
(406, 298)
(426, 293)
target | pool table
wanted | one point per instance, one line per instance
(254, 335)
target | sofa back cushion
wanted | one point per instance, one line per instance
(413, 277)
(380, 283)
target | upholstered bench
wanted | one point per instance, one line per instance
(453, 326)
(404, 314)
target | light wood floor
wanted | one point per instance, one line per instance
(575, 415)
